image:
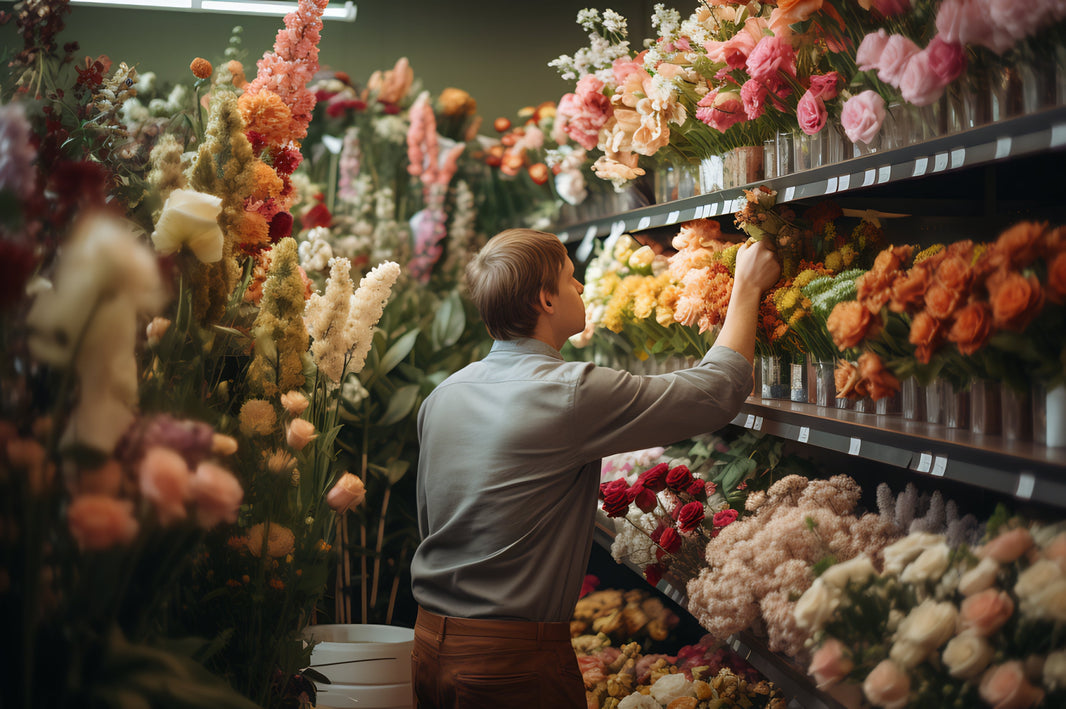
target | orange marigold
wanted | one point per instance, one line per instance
(201, 68)
(265, 182)
(265, 113)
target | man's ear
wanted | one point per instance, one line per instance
(546, 302)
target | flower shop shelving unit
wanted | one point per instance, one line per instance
(1026, 471)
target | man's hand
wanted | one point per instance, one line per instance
(757, 267)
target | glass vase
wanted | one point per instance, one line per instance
(888, 405)
(934, 401)
(712, 174)
(1016, 416)
(769, 159)
(666, 180)
(747, 165)
(984, 407)
(825, 388)
(798, 381)
(912, 400)
(1049, 415)
(864, 405)
(956, 406)
(786, 155)
(776, 377)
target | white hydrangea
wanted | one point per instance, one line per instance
(391, 128)
(631, 542)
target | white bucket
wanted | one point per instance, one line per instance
(368, 666)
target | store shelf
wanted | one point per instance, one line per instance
(1004, 140)
(792, 680)
(1023, 469)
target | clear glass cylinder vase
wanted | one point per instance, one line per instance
(912, 400)
(825, 388)
(776, 377)
(1015, 414)
(985, 407)
(956, 406)
(1049, 414)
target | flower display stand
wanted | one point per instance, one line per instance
(367, 665)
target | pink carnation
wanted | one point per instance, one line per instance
(770, 56)
(753, 97)
(868, 55)
(862, 116)
(623, 67)
(737, 49)
(99, 522)
(811, 113)
(897, 52)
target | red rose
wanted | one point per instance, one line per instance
(724, 518)
(654, 478)
(643, 497)
(690, 516)
(615, 496)
(670, 540)
(679, 478)
(1056, 279)
(696, 489)
(654, 574)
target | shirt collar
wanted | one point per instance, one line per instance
(526, 345)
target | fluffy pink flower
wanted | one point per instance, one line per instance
(824, 86)
(217, 493)
(968, 22)
(862, 116)
(868, 55)
(1019, 20)
(721, 110)
(585, 111)
(897, 52)
(99, 522)
(347, 494)
(919, 84)
(164, 480)
(623, 67)
(753, 98)
(770, 56)
(736, 50)
(811, 113)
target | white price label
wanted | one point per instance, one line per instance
(713, 210)
(940, 161)
(805, 434)
(845, 182)
(854, 446)
(1058, 135)
(673, 217)
(868, 177)
(1003, 146)
(831, 185)
(790, 192)
(758, 423)
(750, 421)
(940, 464)
(1026, 484)
(884, 173)
(644, 223)
(924, 462)
(618, 228)
(920, 166)
(727, 207)
(958, 158)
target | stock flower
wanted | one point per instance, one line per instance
(299, 433)
(99, 522)
(266, 114)
(1006, 687)
(277, 542)
(347, 493)
(217, 493)
(690, 516)
(190, 218)
(165, 482)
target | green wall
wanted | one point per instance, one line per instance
(498, 51)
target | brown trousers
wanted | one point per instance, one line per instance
(462, 663)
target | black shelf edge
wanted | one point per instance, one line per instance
(793, 681)
(1027, 471)
(1003, 140)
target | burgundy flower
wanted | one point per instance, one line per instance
(670, 540)
(654, 574)
(679, 478)
(654, 478)
(690, 516)
(696, 489)
(643, 497)
(615, 496)
(280, 227)
(724, 518)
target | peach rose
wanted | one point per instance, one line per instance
(845, 377)
(98, 522)
(887, 686)
(1008, 546)
(908, 291)
(299, 433)
(954, 272)
(104, 480)
(164, 480)
(941, 301)
(218, 495)
(1005, 687)
(985, 612)
(972, 327)
(830, 663)
(347, 494)
(925, 336)
(891, 260)
(850, 323)
(1056, 279)
(1016, 300)
(874, 288)
(967, 654)
(880, 383)
(1022, 242)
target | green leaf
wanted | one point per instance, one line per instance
(449, 323)
(398, 352)
(397, 469)
(400, 405)
(735, 472)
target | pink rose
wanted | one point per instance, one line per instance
(887, 686)
(862, 116)
(98, 522)
(347, 493)
(736, 50)
(690, 516)
(897, 53)
(947, 60)
(891, 8)
(1008, 546)
(968, 22)
(164, 481)
(299, 433)
(919, 84)
(721, 110)
(830, 663)
(770, 56)
(824, 86)
(811, 113)
(1018, 20)
(217, 493)
(986, 611)
(1005, 687)
(868, 55)
(753, 98)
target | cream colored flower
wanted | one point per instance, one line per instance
(294, 403)
(856, 570)
(816, 606)
(257, 417)
(967, 654)
(979, 577)
(1035, 579)
(929, 566)
(222, 444)
(901, 553)
(1055, 670)
(926, 627)
(277, 542)
(190, 219)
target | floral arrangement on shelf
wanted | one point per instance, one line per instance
(636, 615)
(944, 624)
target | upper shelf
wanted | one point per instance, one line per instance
(1012, 138)
(1025, 470)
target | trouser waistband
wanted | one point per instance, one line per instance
(443, 626)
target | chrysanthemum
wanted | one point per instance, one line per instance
(257, 418)
(266, 114)
(277, 541)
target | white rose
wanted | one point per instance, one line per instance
(857, 570)
(670, 687)
(1055, 670)
(1036, 578)
(967, 654)
(190, 219)
(979, 577)
(929, 566)
(898, 555)
(816, 606)
(1049, 602)
(639, 701)
(926, 627)
(907, 654)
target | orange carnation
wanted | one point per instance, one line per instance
(849, 323)
(265, 182)
(925, 336)
(265, 113)
(201, 68)
(1056, 279)
(879, 382)
(253, 231)
(972, 327)
(1016, 300)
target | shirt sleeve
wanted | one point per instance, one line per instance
(615, 411)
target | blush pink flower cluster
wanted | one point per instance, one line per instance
(585, 111)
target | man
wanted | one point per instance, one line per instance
(509, 469)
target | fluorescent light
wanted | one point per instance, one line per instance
(161, 4)
(335, 11)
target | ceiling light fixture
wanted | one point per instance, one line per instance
(334, 11)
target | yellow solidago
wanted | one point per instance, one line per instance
(280, 333)
(805, 277)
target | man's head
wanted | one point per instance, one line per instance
(508, 276)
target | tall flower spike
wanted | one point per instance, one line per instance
(326, 316)
(281, 338)
(368, 304)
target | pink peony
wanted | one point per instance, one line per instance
(623, 67)
(824, 86)
(99, 522)
(947, 60)
(753, 98)
(868, 55)
(585, 111)
(347, 494)
(919, 84)
(811, 113)
(164, 480)
(862, 116)
(721, 110)
(897, 53)
(770, 56)
(217, 493)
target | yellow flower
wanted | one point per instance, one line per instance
(930, 251)
(805, 277)
(278, 542)
(257, 418)
(456, 102)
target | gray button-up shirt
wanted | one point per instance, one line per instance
(508, 470)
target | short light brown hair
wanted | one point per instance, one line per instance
(506, 277)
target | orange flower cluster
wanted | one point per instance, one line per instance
(869, 378)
